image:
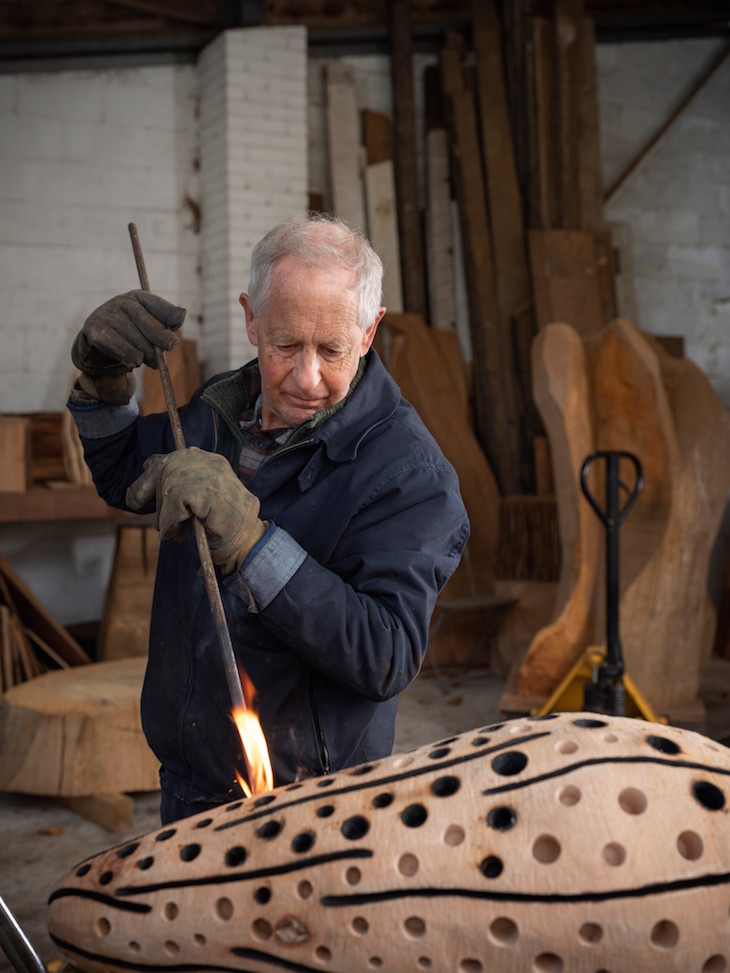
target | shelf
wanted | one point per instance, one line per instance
(41, 504)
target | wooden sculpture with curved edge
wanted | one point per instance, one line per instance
(619, 390)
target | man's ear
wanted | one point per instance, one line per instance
(368, 334)
(251, 329)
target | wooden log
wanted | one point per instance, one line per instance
(345, 153)
(125, 623)
(77, 732)
(115, 812)
(14, 446)
(413, 262)
(381, 206)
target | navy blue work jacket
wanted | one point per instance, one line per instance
(368, 513)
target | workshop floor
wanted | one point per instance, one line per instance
(40, 840)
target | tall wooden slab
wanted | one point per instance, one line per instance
(381, 206)
(439, 236)
(14, 453)
(566, 18)
(590, 181)
(542, 164)
(125, 623)
(344, 150)
(406, 160)
(494, 409)
(565, 275)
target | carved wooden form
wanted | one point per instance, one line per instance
(618, 390)
(572, 842)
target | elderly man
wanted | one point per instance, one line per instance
(332, 516)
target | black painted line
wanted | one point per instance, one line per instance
(284, 869)
(419, 771)
(658, 888)
(69, 892)
(597, 761)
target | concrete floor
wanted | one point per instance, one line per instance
(40, 840)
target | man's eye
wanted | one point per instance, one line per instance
(331, 352)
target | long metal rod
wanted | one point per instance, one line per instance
(225, 644)
(16, 945)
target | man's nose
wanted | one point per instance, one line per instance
(308, 372)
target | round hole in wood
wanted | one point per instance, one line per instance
(503, 931)
(665, 934)
(415, 927)
(170, 910)
(353, 875)
(322, 954)
(566, 746)
(569, 795)
(375, 962)
(614, 854)
(714, 964)
(199, 939)
(546, 849)
(261, 929)
(408, 864)
(470, 966)
(360, 926)
(102, 927)
(224, 909)
(609, 737)
(454, 835)
(304, 889)
(424, 963)
(590, 933)
(548, 963)
(690, 846)
(171, 947)
(133, 946)
(414, 815)
(632, 800)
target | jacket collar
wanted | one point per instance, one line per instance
(341, 429)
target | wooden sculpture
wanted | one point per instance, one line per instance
(567, 842)
(618, 390)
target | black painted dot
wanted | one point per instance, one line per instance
(510, 763)
(439, 752)
(362, 770)
(106, 878)
(128, 850)
(204, 823)
(83, 870)
(709, 795)
(262, 895)
(145, 863)
(544, 716)
(414, 815)
(263, 801)
(663, 745)
(234, 807)
(502, 818)
(190, 852)
(355, 827)
(166, 835)
(442, 743)
(270, 830)
(326, 782)
(588, 724)
(479, 741)
(303, 842)
(491, 867)
(383, 800)
(236, 856)
(325, 811)
(492, 728)
(293, 787)
(445, 786)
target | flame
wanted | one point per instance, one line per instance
(256, 752)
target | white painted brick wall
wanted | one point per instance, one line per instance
(83, 154)
(253, 167)
(677, 202)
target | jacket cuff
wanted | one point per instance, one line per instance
(97, 420)
(272, 562)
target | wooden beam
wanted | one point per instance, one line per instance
(345, 152)
(565, 26)
(439, 237)
(542, 166)
(380, 202)
(590, 183)
(413, 268)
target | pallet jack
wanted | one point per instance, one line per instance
(597, 682)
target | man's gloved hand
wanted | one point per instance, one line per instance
(194, 483)
(119, 336)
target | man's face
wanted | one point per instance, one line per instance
(309, 341)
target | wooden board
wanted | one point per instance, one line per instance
(185, 374)
(38, 619)
(565, 275)
(125, 622)
(345, 153)
(381, 205)
(14, 441)
(77, 732)
(46, 447)
(590, 181)
(542, 164)
(566, 16)
(439, 235)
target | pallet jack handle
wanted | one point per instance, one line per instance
(605, 692)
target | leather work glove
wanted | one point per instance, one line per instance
(119, 336)
(194, 483)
